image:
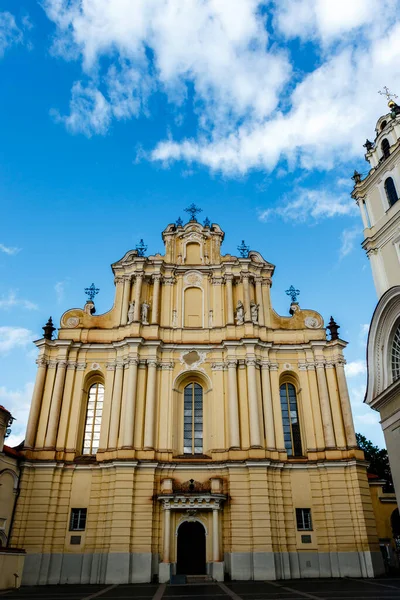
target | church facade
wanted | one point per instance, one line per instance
(191, 429)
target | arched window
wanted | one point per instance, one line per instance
(385, 147)
(383, 125)
(193, 419)
(290, 419)
(94, 413)
(390, 190)
(395, 355)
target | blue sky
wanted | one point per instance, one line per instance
(116, 115)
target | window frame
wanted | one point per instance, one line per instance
(190, 416)
(304, 519)
(296, 446)
(385, 148)
(95, 427)
(81, 512)
(392, 194)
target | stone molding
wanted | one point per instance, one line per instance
(192, 502)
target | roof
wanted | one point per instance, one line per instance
(5, 409)
(12, 451)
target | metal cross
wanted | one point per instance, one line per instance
(207, 222)
(385, 92)
(179, 222)
(141, 248)
(91, 292)
(243, 249)
(293, 293)
(193, 210)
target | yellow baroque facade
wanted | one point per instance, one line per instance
(191, 429)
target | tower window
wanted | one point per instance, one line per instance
(193, 419)
(383, 125)
(290, 420)
(395, 352)
(390, 189)
(94, 413)
(385, 147)
(303, 519)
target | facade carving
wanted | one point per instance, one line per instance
(192, 384)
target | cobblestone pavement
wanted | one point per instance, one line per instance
(314, 589)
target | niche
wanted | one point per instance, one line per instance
(193, 301)
(193, 254)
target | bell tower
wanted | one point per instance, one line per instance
(377, 197)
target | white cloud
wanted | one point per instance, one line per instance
(9, 32)
(326, 20)
(348, 240)
(369, 418)
(7, 302)
(9, 249)
(355, 368)
(255, 107)
(226, 54)
(304, 204)
(17, 401)
(14, 337)
(59, 289)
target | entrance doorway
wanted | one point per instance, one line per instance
(191, 549)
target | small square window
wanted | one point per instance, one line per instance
(303, 519)
(78, 519)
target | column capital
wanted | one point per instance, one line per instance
(151, 362)
(265, 364)
(62, 364)
(71, 366)
(302, 366)
(329, 364)
(320, 364)
(80, 366)
(157, 277)
(246, 276)
(217, 280)
(166, 366)
(258, 279)
(228, 277)
(169, 280)
(119, 364)
(266, 282)
(132, 361)
(231, 363)
(251, 362)
(41, 361)
(119, 279)
(127, 278)
(110, 366)
(218, 366)
(273, 367)
(52, 364)
(138, 274)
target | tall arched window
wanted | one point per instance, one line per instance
(290, 419)
(390, 189)
(94, 413)
(395, 354)
(385, 147)
(193, 419)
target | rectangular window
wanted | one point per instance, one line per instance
(303, 519)
(78, 519)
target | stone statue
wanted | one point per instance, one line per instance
(131, 312)
(174, 318)
(254, 308)
(145, 313)
(239, 313)
(210, 318)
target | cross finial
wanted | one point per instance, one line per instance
(91, 292)
(243, 250)
(385, 92)
(141, 248)
(193, 210)
(293, 293)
